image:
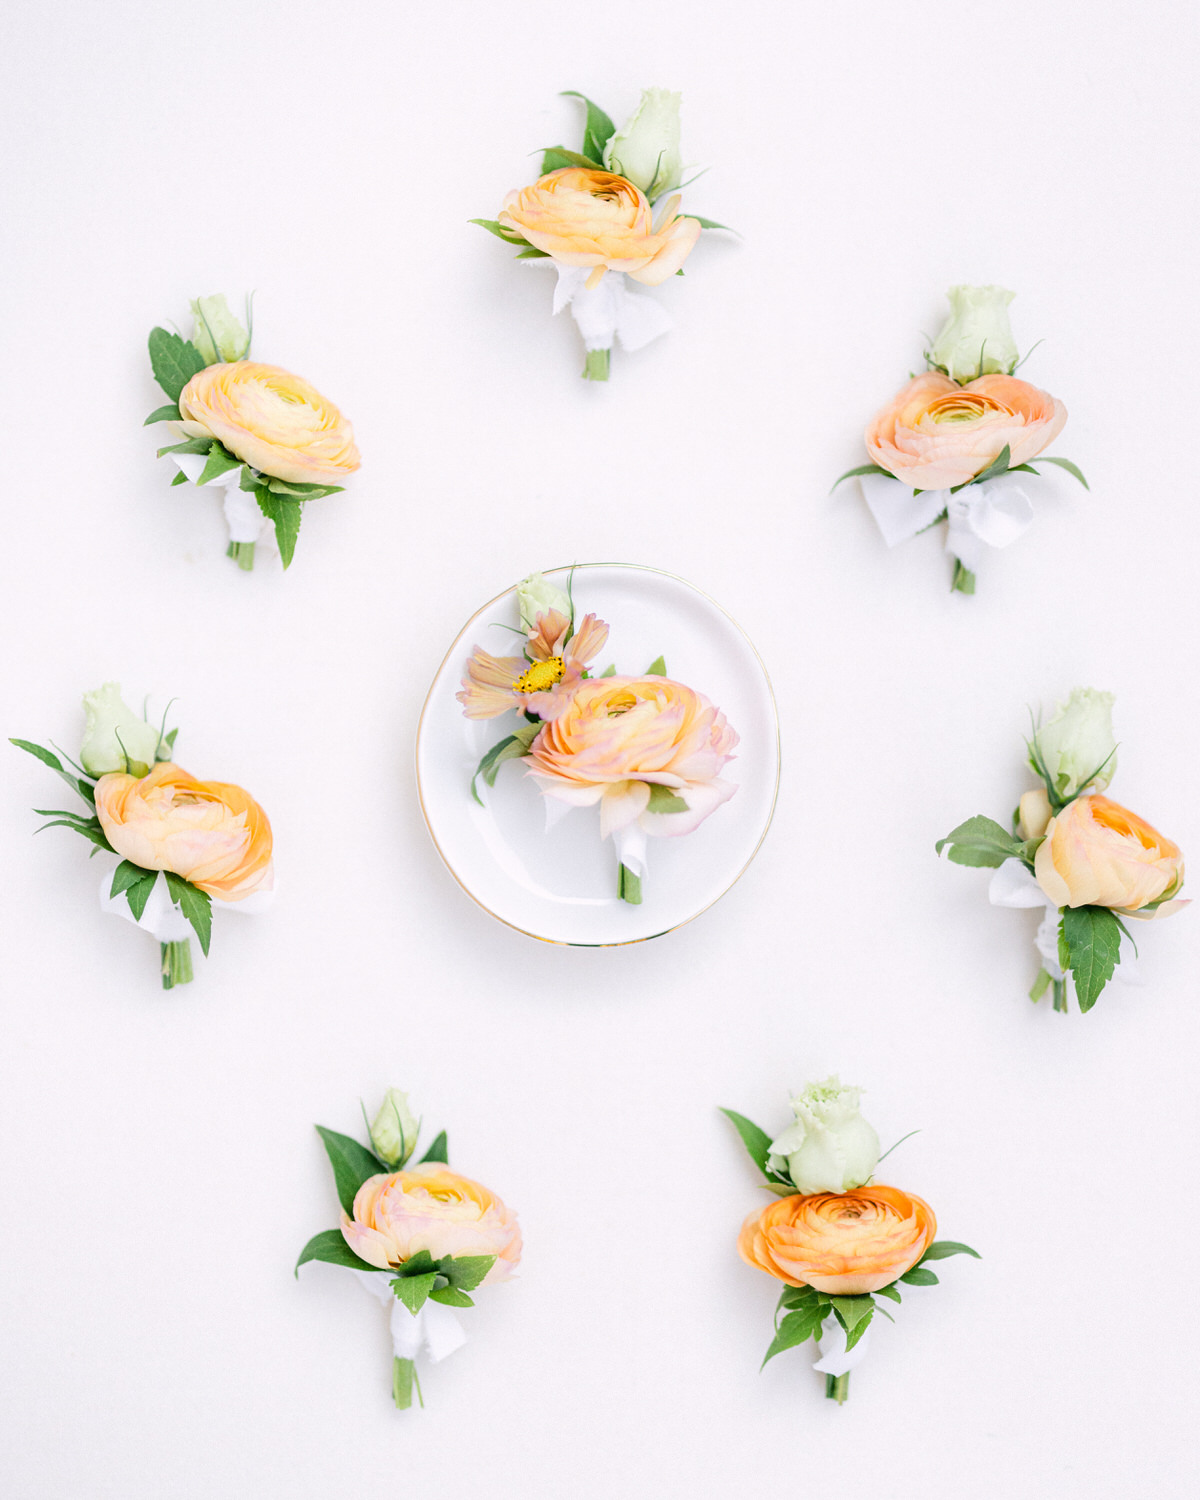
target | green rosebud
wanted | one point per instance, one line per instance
(216, 333)
(1077, 746)
(394, 1130)
(537, 596)
(114, 738)
(647, 150)
(977, 339)
(830, 1148)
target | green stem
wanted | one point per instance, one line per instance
(242, 554)
(837, 1388)
(595, 366)
(629, 886)
(1060, 995)
(964, 579)
(176, 963)
(404, 1379)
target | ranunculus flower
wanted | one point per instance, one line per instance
(210, 832)
(431, 1208)
(394, 1129)
(541, 685)
(646, 151)
(618, 736)
(275, 422)
(1078, 741)
(843, 1243)
(977, 339)
(937, 434)
(1098, 853)
(114, 737)
(830, 1148)
(581, 217)
(216, 333)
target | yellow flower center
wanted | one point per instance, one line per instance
(621, 703)
(542, 675)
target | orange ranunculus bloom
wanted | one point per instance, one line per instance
(274, 421)
(937, 434)
(845, 1243)
(581, 217)
(209, 832)
(1098, 853)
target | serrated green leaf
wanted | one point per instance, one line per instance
(220, 461)
(664, 800)
(466, 1272)
(169, 413)
(756, 1141)
(598, 129)
(138, 895)
(940, 1249)
(657, 668)
(1092, 936)
(998, 466)
(420, 1264)
(450, 1296)
(192, 445)
(195, 904)
(352, 1164)
(891, 1290)
(852, 1311)
(863, 469)
(85, 789)
(1065, 463)
(413, 1290)
(174, 361)
(180, 478)
(127, 874)
(918, 1276)
(796, 1297)
(302, 491)
(980, 841)
(330, 1246)
(796, 1328)
(857, 1332)
(284, 515)
(437, 1152)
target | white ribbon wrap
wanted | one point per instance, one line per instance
(994, 514)
(611, 308)
(835, 1359)
(434, 1329)
(162, 919)
(630, 843)
(242, 515)
(1013, 885)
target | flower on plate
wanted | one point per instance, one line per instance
(646, 151)
(394, 1129)
(542, 681)
(114, 737)
(271, 420)
(1077, 747)
(937, 434)
(843, 1243)
(977, 338)
(1097, 853)
(830, 1148)
(584, 217)
(616, 738)
(209, 832)
(429, 1207)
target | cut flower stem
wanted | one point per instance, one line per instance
(964, 579)
(242, 554)
(404, 1378)
(595, 366)
(629, 886)
(837, 1388)
(176, 963)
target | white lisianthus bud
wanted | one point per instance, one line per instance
(646, 152)
(830, 1148)
(537, 596)
(977, 339)
(114, 738)
(1076, 746)
(216, 333)
(394, 1130)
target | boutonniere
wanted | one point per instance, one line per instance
(837, 1239)
(420, 1238)
(951, 445)
(646, 749)
(607, 215)
(182, 843)
(1088, 862)
(265, 438)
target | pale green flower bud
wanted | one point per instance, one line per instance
(394, 1130)
(647, 150)
(114, 738)
(537, 596)
(1077, 742)
(977, 339)
(830, 1148)
(216, 333)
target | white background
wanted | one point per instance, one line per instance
(160, 1164)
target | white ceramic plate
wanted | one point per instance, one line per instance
(561, 885)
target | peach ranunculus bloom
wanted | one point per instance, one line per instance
(209, 832)
(274, 421)
(618, 736)
(1097, 853)
(429, 1207)
(541, 684)
(937, 434)
(581, 217)
(844, 1243)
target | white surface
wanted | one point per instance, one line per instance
(560, 883)
(161, 1168)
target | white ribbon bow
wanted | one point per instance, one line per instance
(993, 514)
(611, 308)
(242, 515)
(162, 919)
(434, 1328)
(1013, 885)
(835, 1358)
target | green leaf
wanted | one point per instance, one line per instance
(437, 1152)
(891, 1290)
(169, 413)
(796, 1328)
(89, 827)
(998, 466)
(1093, 939)
(195, 904)
(664, 800)
(657, 668)
(852, 1311)
(501, 231)
(1040, 985)
(709, 223)
(980, 841)
(413, 1290)
(220, 461)
(854, 1337)
(330, 1246)
(555, 157)
(173, 360)
(940, 1249)
(284, 514)
(137, 885)
(1065, 463)
(465, 1272)
(513, 747)
(756, 1141)
(352, 1164)
(450, 1296)
(609, 672)
(85, 789)
(180, 478)
(864, 469)
(597, 131)
(192, 445)
(963, 581)
(302, 491)
(918, 1276)
(533, 254)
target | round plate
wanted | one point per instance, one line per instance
(561, 885)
